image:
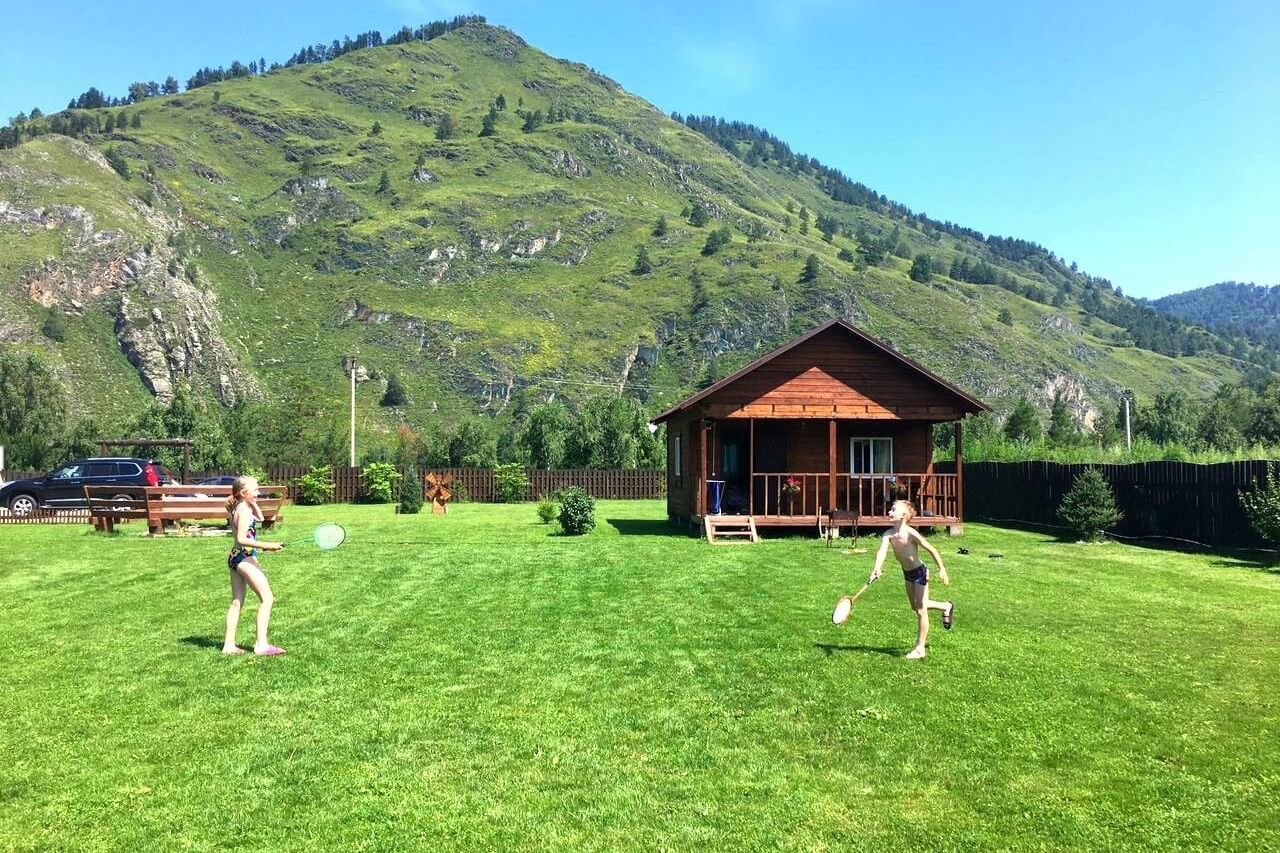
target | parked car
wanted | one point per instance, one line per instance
(221, 480)
(63, 487)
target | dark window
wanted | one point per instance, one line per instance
(100, 469)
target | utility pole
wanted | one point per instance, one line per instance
(349, 365)
(1128, 433)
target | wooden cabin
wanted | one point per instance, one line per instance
(835, 419)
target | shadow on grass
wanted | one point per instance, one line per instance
(1263, 563)
(829, 649)
(645, 527)
(203, 642)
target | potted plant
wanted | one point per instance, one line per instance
(790, 486)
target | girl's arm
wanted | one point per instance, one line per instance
(880, 555)
(933, 552)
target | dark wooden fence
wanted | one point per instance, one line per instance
(1179, 500)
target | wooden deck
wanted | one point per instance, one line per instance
(866, 523)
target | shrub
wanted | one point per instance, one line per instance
(510, 482)
(411, 494)
(547, 509)
(315, 486)
(1262, 506)
(380, 480)
(1090, 506)
(256, 473)
(54, 328)
(459, 492)
(577, 511)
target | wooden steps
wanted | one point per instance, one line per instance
(738, 528)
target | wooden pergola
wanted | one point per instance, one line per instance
(185, 443)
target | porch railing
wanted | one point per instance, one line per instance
(870, 495)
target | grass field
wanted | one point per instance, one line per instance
(496, 686)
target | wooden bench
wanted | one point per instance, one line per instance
(161, 505)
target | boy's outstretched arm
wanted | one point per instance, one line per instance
(880, 555)
(937, 558)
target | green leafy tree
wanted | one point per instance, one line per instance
(511, 482)
(380, 479)
(33, 409)
(642, 266)
(716, 239)
(698, 215)
(543, 435)
(376, 130)
(1089, 508)
(1005, 316)
(804, 220)
(846, 254)
(1023, 423)
(1261, 506)
(473, 444)
(532, 121)
(1171, 419)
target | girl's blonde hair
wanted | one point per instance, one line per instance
(238, 486)
(910, 509)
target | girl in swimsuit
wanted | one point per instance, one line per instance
(906, 542)
(244, 514)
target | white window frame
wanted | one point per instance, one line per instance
(871, 442)
(677, 457)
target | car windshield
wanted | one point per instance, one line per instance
(67, 472)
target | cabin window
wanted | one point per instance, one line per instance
(677, 457)
(871, 455)
(730, 467)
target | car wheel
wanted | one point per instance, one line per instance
(22, 505)
(127, 505)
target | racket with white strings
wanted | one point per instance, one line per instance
(326, 536)
(844, 605)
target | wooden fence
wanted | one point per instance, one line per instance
(1179, 500)
(478, 484)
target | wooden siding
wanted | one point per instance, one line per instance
(834, 375)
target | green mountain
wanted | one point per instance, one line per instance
(1247, 311)
(243, 236)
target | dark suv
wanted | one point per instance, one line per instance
(64, 486)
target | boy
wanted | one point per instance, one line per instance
(905, 541)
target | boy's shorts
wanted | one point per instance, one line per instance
(919, 575)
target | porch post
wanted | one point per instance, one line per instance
(831, 465)
(702, 479)
(751, 467)
(958, 529)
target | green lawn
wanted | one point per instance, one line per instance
(494, 686)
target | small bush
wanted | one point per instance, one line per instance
(1090, 506)
(411, 493)
(459, 492)
(577, 511)
(1262, 507)
(511, 483)
(54, 328)
(380, 480)
(315, 486)
(547, 509)
(256, 473)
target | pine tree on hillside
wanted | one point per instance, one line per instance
(136, 121)
(1062, 426)
(490, 122)
(384, 182)
(376, 130)
(812, 266)
(698, 215)
(804, 220)
(395, 395)
(445, 127)
(643, 265)
(922, 268)
(1023, 423)
(660, 227)
(500, 102)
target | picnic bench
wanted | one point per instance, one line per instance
(162, 505)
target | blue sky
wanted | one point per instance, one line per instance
(1140, 139)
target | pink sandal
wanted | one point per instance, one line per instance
(270, 651)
